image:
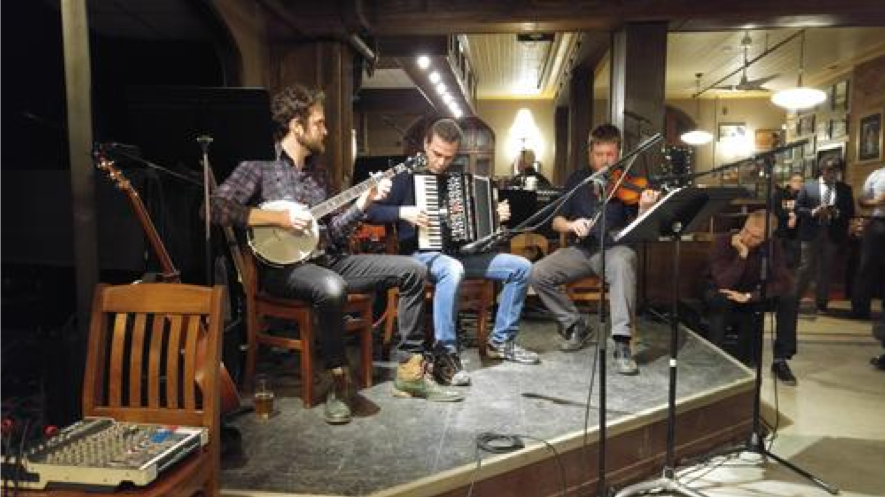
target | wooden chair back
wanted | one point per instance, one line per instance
(153, 356)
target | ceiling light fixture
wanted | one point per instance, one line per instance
(423, 62)
(697, 136)
(800, 97)
(441, 89)
(435, 77)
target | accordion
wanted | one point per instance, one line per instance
(462, 208)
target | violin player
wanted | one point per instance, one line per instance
(582, 259)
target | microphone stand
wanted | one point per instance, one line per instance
(755, 444)
(205, 141)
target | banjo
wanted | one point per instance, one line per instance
(277, 246)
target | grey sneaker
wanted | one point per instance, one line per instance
(510, 351)
(624, 362)
(414, 380)
(576, 337)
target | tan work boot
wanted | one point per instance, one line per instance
(413, 380)
(337, 411)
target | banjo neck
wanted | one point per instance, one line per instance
(340, 200)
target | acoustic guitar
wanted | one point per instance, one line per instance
(277, 246)
(230, 398)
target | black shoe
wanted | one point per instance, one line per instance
(576, 336)
(447, 368)
(878, 362)
(782, 372)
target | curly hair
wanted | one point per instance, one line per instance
(293, 102)
(605, 133)
(447, 129)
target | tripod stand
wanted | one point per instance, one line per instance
(681, 211)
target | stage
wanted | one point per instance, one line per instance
(413, 447)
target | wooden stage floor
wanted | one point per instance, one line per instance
(412, 447)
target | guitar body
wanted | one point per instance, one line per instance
(276, 246)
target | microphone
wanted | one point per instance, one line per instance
(478, 245)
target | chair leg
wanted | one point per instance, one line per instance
(305, 329)
(251, 347)
(366, 347)
(389, 320)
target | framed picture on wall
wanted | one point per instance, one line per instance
(806, 125)
(838, 128)
(839, 96)
(732, 131)
(767, 139)
(869, 137)
(823, 130)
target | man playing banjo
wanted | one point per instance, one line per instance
(331, 272)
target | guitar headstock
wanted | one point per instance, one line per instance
(104, 163)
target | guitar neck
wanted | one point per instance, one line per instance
(170, 273)
(334, 203)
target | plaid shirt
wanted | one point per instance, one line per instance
(255, 182)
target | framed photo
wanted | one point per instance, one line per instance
(838, 128)
(806, 125)
(810, 147)
(823, 130)
(732, 131)
(839, 96)
(766, 139)
(831, 151)
(869, 141)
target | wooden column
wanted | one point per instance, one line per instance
(327, 65)
(639, 59)
(78, 94)
(580, 116)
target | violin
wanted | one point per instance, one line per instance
(627, 189)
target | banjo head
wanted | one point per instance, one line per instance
(279, 247)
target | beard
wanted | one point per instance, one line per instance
(314, 145)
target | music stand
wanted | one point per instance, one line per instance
(682, 211)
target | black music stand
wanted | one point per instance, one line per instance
(682, 211)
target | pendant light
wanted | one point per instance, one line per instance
(801, 97)
(697, 136)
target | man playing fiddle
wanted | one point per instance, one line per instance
(582, 258)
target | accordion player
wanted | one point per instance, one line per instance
(461, 208)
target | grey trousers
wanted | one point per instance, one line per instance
(573, 263)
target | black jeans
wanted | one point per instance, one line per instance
(722, 312)
(327, 286)
(871, 269)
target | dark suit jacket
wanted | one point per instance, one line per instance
(809, 198)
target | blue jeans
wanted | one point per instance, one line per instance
(447, 272)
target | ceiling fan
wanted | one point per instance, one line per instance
(746, 84)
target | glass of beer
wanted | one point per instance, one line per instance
(263, 396)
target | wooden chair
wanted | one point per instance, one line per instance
(261, 305)
(150, 358)
(534, 246)
(476, 294)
